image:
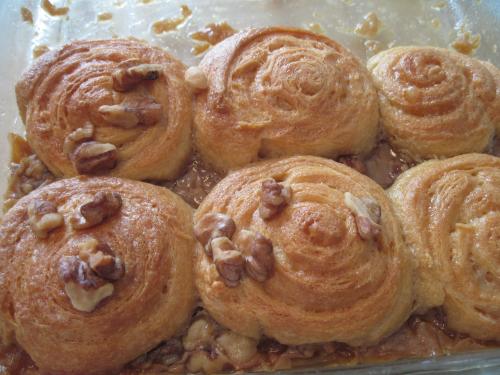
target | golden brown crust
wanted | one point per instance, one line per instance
(64, 89)
(151, 234)
(434, 102)
(450, 211)
(328, 283)
(278, 92)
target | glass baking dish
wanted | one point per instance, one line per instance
(404, 22)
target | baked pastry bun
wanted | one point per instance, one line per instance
(277, 92)
(303, 250)
(450, 211)
(94, 272)
(434, 102)
(116, 107)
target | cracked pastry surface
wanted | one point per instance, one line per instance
(450, 212)
(278, 92)
(94, 272)
(94, 107)
(303, 250)
(435, 102)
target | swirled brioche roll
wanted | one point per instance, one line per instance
(277, 92)
(450, 211)
(435, 102)
(116, 107)
(94, 272)
(303, 250)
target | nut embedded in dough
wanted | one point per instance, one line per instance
(44, 218)
(274, 198)
(102, 206)
(212, 226)
(228, 261)
(94, 157)
(127, 79)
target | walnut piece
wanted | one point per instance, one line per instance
(128, 78)
(205, 363)
(367, 213)
(274, 198)
(211, 226)
(101, 259)
(259, 256)
(199, 335)
(83, 287)
(134, 111)
(239, 349)
(196, 78)
(228, 261)
(78, 136)
(102, 206)
(94, 157)
(43, 217)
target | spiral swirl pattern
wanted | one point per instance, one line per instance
(153, 237)
(64, 90)
(434, 102)
(450, 212)
(328, 283)
(277, 92)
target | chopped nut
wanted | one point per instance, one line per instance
(168, 352)
(43, 217)
(119, 115)
(101, 259)
(203, 362)
(127, 79)
(367, 213)
(274, 198)
(196, 78)
(259, 257)
(104, 205)
(199, 334)
(228, 261)
(83, 287)
(79, 135)
(139, 110)
(211, 226)
(87, 300)
(93, 157)
(239, 349)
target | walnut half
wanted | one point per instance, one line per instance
(274, 198)
(103, 205)
(228, 261)
(78, 136)
(367, 213)
(128, 78)
(211, 226)
(83, 287)
(259, 256)
(101, 259)
(94, 157)
(136, 110)
(43, 217)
